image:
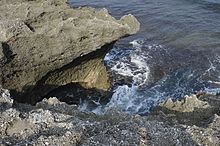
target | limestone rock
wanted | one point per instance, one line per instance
(206, 136)
(188, 104)
(50, 44)
(198, 115)
(5, 99)
(56, 123)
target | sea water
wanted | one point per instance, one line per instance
(176, 52)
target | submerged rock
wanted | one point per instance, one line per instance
(47, 44)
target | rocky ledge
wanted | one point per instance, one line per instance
(190, 122)
(45, 44)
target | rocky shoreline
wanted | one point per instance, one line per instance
(45, 46)
(191, 121)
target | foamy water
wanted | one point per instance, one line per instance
(176, 52)
(140, 97)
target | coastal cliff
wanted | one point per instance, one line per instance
(45, 44)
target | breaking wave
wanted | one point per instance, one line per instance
(137, 62)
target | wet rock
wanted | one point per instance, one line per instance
(47, 44)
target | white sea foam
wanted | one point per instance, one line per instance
(143, 69)
(133, 63)
(136, 43)
(83, 106)
(125, 97)
(122, 68)
(213, 70)
(124, 91)
(129, 100)
(213, 91)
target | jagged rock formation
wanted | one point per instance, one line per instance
(52, 122)
(198, 114)
(188, 104)
(45, 44)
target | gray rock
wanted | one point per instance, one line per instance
(188, 104)
(197, 114)
(5, 99)
(50, 44)
(54, 123)
(2, 61)
(1, 53)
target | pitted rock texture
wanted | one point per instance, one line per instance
(188, 104)
(197, 114)
(52, 122)
(5, 99)
(40, 37)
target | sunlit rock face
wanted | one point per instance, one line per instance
(47, 44)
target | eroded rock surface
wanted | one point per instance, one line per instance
(52, 122)
(42, 42)
(188, 104)
(198, 114)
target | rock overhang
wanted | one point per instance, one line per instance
(44, 36)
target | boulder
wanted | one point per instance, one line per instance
(47, 44)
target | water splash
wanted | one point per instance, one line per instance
(136, 61)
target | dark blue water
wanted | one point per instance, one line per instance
(176, 52)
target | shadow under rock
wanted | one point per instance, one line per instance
(72, 94)
(34, 94)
